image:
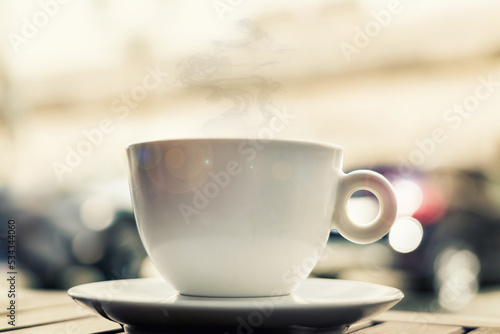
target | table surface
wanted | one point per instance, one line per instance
(54, 312)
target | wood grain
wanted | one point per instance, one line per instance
(405, 327)
(439, 318)
(92, 324)
(31, 299)
(47, 315)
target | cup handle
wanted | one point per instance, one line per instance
(382, 189)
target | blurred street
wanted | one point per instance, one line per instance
(410, 89)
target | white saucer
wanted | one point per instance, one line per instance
(151, 305)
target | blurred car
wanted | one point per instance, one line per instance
(461, 228)
(66, 239)
(447, 234)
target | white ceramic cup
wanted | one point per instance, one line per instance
(246, 218)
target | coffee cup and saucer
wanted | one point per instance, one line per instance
(234, 227)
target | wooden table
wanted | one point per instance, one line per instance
(49, 312)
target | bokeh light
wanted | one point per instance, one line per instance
(87, 247)
(150, 156)
(409, 196)
(97, 213)
(184, 166)
(457, 277)
(406, 234)
(433, 206)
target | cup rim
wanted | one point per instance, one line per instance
(306, 142)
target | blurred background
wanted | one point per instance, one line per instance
(410, 89)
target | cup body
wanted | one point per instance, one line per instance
(234, 217)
